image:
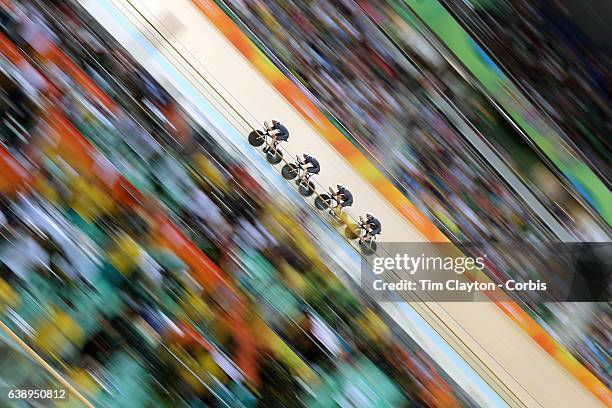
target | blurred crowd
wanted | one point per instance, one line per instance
(150, 265)
(556, 64)
(334, 50)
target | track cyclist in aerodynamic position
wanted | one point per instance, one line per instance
(372, 227)
(343, 197)
(314, 167)
(279, 133)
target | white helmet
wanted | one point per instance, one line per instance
(369, 215)
(339, 186)
(306, 154)
(274, 121)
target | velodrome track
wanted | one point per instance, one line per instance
(506, 357)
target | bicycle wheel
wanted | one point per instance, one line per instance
(352, 231)
(323, 201)
(289, 171)
(307, 190)
(256, 138)
(274, 158)
(368, 248)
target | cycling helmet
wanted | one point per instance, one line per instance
(306, 155)
(274, 121)
(369, 215)
(339, 186)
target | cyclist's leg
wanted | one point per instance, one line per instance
(310, 171)
(335, 210)
(365, 237)
(339, 207)
(273, 133)
(273, 144)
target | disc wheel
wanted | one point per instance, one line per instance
(307, 190)
(256, 138)
(368, 248)
(352, 231)
(323, 202)
(289, 171)
(274, 158)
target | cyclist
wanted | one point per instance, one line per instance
(372, 228)
(279, 133)
(314, 167)
(343, 197)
